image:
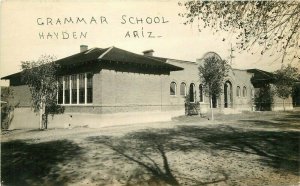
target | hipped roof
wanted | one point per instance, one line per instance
(261, 75)
(112, 54)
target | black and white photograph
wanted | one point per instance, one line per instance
(150, 92)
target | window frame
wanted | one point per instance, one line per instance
(194, 93)
(70, 85)
(244, 91)
(184, 84)
(175, 88)
(238, 91)
(201, 93)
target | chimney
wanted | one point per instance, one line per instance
(83, 48)
(148, 52)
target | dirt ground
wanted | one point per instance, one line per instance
(260, 148)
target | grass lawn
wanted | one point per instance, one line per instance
(260, 148)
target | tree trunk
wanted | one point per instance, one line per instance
(42, 122)
(200, 114)
(211, 107)
(283, 105)
(45, 122)
(41, 116)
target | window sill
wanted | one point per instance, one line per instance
(74, 105)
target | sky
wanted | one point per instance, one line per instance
(25, 28)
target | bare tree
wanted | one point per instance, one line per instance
(274, 25)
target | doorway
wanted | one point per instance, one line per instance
(227, 94)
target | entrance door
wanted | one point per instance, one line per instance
(227, 95)
(214, 101)
(192, 92)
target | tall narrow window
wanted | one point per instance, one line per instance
(60, 90)
(173, 89)
(244, 91)
(201, 93)
(182, 89)
(238, 91)
(81, 88)
(67, 89)
(74, 89)
(89, 89)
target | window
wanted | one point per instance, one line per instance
(173, 89)
(201, 93)
(81, 88)
(60, 90)
(75, 89)
(238, 91)
(67, 89)
(89, 88)
(192, 92)
(244, 91)
(252, 93)
(182, 89)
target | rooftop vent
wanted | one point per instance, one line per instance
(83, 48)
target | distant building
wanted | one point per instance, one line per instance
(112, 86)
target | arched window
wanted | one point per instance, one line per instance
(201, 93)
(192, 92)
(182, 89)
(244, 91)
(252, 93)
(238, 91)
(173, 89)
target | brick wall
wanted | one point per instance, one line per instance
(127, 91)
(190, 74)
(242, 78)
(21, 96)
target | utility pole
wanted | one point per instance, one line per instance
(231, 54)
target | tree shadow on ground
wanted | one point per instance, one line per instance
(289, 121)
(277, 149)
(277, 123)
(150, 149)
(25, 163)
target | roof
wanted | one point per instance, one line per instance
(79, 58)
(260, 75)
(113, 54)
(116, 54)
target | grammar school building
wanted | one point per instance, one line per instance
(112, 86)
